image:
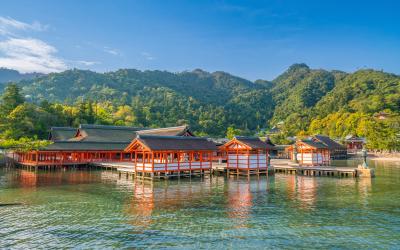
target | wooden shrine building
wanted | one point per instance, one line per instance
(354, 144)
(164, 156)
(309, 153)
(248, 155)
(90, 143)
(336, 150)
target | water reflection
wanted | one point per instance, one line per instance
(142, 204)
(32, 179)
(152, 198)
(240, 202)
(364, 187)
(302, 190)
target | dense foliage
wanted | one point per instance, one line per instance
(302, 100)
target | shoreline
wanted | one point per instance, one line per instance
(385, 158)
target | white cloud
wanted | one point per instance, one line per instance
(8, 26)
(111, 51)
(30, 55)
(87, 63)
(19, 51)
(147, 56)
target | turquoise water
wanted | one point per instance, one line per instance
(97, 209)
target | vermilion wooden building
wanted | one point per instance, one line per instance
(164, 156)
(90, 143)
(310, 152)
(247, 155)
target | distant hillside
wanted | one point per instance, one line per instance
(211, 102)
(10, 75)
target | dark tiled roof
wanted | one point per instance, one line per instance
(103, 133)
(103, 137)
(254, 142)
(61, 133)
(170, 131)
(86, 146)
(331, 144)
(314, 144)
(157, 143)
(219, 141)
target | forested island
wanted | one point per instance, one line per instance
(302, 101)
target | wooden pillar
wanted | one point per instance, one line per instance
(201, 161)
(37, 158)
(152, 161)
(190, 162)
(302, 160)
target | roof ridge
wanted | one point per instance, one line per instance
(248, 138)
(144, 136)
(63, 128)
(109, 127)
(92, 142)
(166, 128)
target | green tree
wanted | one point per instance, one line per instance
(10, 99)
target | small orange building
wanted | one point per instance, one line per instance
(247, 155)
(309, 152)
(163, 156)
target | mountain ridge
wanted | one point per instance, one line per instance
(213, 101)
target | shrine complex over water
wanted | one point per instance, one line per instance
(176, 151)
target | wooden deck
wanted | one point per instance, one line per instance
(277, 166)
(287, 167)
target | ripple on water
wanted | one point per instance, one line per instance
(98, 210)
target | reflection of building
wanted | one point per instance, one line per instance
(148, 198)
(38, 179)
(302, 189)
(240, 203)
(142, 204)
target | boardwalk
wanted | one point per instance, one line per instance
(286, 166)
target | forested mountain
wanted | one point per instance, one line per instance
(302, 100)
(10, 75)
(209, 102)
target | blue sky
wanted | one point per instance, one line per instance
(251, 39)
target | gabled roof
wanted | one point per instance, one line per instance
(170, 131)
(314, 144)
(104, 133)
(178, 143)
(218, 141)
(61, 133)
(354, 138)
(331, 144)
(86, 146)
(254, 142)
(249, 142)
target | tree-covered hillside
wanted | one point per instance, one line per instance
(209, 102)
(9, 75)
(339, 104)
(301, 100)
